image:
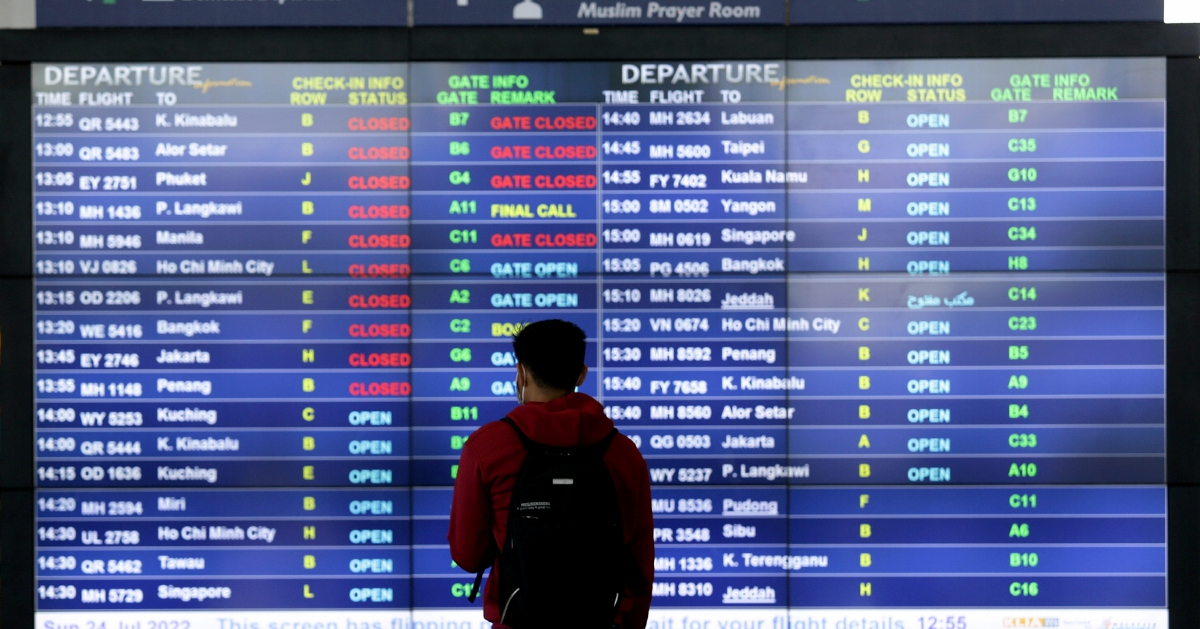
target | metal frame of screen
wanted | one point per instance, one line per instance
(1179, 43)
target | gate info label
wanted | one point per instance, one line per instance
(890, 334)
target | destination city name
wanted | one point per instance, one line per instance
(192, 444)
(202, 210)
(214, 267)
(185, 474)
(186, 415)
(203, 300)
(216, 533)
(761, 412)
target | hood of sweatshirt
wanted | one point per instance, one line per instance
(573, 420)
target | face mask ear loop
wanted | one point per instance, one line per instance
(520, 390)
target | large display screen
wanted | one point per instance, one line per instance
(890, 334)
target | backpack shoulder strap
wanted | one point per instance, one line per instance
(596, 449)
(529, 446)
(528, 443)
(490, 556)
(475, 586)
(600, 448)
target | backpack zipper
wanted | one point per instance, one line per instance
(509, 602)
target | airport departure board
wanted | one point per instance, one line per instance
(889, 334)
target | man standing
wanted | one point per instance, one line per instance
(576, 548)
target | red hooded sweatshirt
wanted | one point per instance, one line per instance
(488, 470)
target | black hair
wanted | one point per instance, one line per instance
(553, 352)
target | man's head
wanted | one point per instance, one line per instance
(550, 358)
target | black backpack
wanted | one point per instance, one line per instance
(564, 563)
